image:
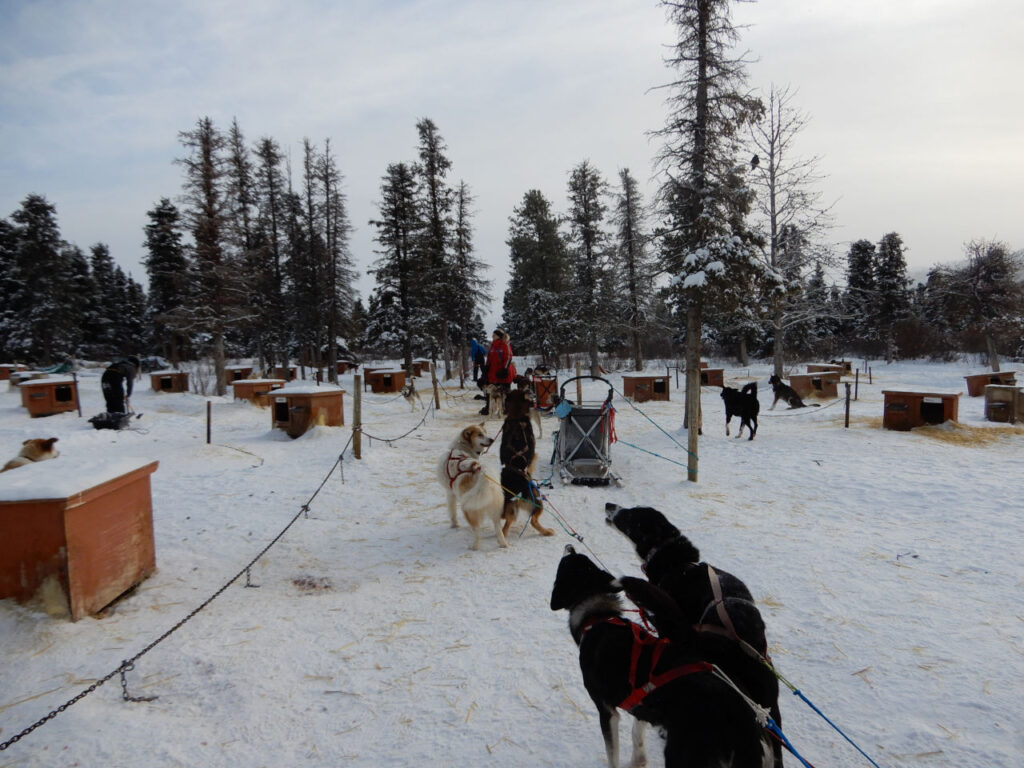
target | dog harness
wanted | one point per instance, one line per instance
(460, 463)
(646, 648)
(727, 628)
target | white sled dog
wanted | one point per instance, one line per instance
(467, 483)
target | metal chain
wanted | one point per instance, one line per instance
(129, 664)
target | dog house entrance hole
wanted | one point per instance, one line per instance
(63, 394)
(660, 386)
(931, 410)
(281, 410)
(166, 382)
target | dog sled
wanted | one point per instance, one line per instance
(586, 430)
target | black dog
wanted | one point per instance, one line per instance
(704, 720)
(785, 393)
(744, 404)
(714, 610)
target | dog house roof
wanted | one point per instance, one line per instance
(63, 477)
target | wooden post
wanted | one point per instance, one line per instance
(579, 384)
(78, 399)
(856, 384)
(433, 381)
(869, 376)
(847, 404)
(357, 416)
(209, 411)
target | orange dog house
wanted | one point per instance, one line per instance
(296, 409)
(821, 384)
(640, 387)
(906, 410)
(45, 397)
(383, 380)
(1004, 403)
(712, 377)
(256, 390)
(237, 372)
(88, 527)
(977, 382)
(169, 381)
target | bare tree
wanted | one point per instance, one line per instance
(789, 206)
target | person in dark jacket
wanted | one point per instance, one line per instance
(117, 383)
(479, 354)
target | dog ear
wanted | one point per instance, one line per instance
(467, 434)
(48, 443)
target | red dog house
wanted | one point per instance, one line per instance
(712, 377)
(1004, 403)
(641, 387)
(88, 527)
(383, 380)
(237, 372)
(977, 382)
(169, 381)
(45, 397)
(8, 368)
(287, 373)
(296, 409)
(822, 384)
(256, 390)
(906, 410)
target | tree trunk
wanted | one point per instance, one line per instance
(779, 346)
(638, 360)
(993, 355)
(742, 352)
(693, 331)
(218, 363)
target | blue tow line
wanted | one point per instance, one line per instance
(774, 728)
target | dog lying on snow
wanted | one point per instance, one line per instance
(709, 607)
(467, 484)
(704, 720)
(785, 393)
(744, 404)
(518, 461)
(36, 449)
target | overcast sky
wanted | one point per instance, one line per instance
(916, 106)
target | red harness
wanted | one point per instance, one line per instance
(459, 468)
(645, 681)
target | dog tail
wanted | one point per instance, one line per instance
(750, 388)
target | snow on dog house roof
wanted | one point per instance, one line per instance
(63, 477)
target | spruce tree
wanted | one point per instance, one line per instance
(536, 310)
(270, 256)
(588, 248)
(396, 315)
(706, 247)
(860, 296)
(892, 299)
(167, 270)
(472, 289)
(636, 267)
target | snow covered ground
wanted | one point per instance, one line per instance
(887, 566)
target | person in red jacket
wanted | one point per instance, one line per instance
(500, 369)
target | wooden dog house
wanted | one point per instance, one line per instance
(17, 378)
(976, 382)
(821, 384)
(642, 387)
(288, 373)
(88, 527)
(169, 381)
(712, 377)
(385, 380)
(906, 410)
(45, 397)
(826, 368)
(296, 409)
(6, 369)
(1004, 403)
(256, 390)
(237, 372)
